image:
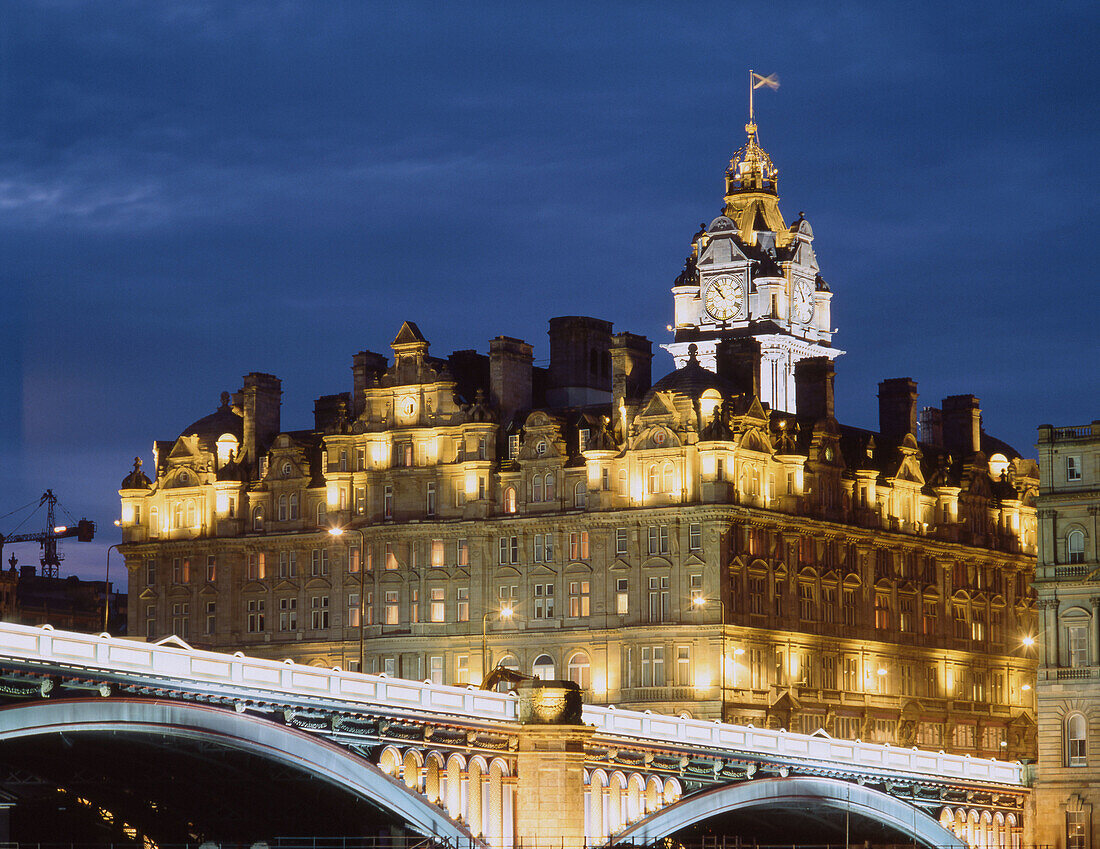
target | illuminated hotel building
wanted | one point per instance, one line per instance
(1067, 785)
(712, 543)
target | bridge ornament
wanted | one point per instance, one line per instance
(498, 768)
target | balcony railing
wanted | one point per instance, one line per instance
(1074, 673)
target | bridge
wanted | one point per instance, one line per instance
(112, 726)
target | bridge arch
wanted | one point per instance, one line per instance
(270, 741)
(828, 793)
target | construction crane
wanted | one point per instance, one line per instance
(51, 562)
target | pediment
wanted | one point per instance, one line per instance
(541, 570)
(656, 563)
(756, 410)
(619, 565)
(283, 585)
(178, 591)
(208, 590)
(577, 567)
(657, 406)
(185, 447)
(694, 559)
(148, 595)
(507, 572)
(318, 584)
(254, 587)
(722, 249)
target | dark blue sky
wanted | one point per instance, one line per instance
(190, 191)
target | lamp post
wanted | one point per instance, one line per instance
(107, 586)
(504, 613)
(338, 532)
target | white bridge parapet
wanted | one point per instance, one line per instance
(172, 661)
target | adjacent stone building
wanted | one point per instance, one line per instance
(1067, 578)
(714, 542)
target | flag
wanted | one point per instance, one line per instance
(758, 81)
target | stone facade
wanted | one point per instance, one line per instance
(1067, 578)
(682, 545)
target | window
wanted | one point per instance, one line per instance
(580, 670)
(756, 595)
(319, 563)
(544, 601)
(255, 618)
(1075, 546)
(1073, 468)
(510, 499)
(318, 612)
(622, 597)
(548, 486)
(282, 508)
(905, 614)
(154, 521)
(807, 604)
(462, 553)
(429, 500)
(654, 479)
(536, 488)
(435, 669)
(849, 667)
(481, 449)
(849, 607)
(462, 612)
(828, 672)
(695, 537)
(181, 570)
(355, 560)
(828, 605)
(508, 550)
(150, 572)
(583, 435)
(624, 488)
(254, 566)
(414, 604)
(288, 614)
(932, 682)
(180, 617)
(658, 539)
(211, 617)
(659, 601)
(513, 446)
(620, 540)
(353, 610)
(322, 513)
(977, 624)
(360, 500)
(580, 494)
(391, 557)
(605, 479)
(437, 607)
(387, 501)
(578, 545)
(653, 666)
(391, 612)
(579, 603)
(462, 669)
(668, 474)
(543, 667)
(882, 610)
(777, 597)
(258, 519)
(683, 666)
(1077, 833)
(928, 617)
(1077, 641)
(292, 512)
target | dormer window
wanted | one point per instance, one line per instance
(287, 470)
(541, 447)
(583, 436)
(513, 446)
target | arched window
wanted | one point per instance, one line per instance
(580, 494)
(543, 667)
(536, 488)
(1075, 546)
(668, 474)
(510, 499)
(282, 508)
(177, 515)
(1076, 740)
(580, 670)
(654, 479)
(322, 512)
(623, 483)
(293, 506)
(190, 514)
(154, 521)
(549, 486)
(258, 518)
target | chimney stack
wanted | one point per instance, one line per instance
(580, 361)
(364, 365)
(962, 425)
(897, 408)
(813, 387)
(738, 362)
(930, 426)
(261, 399)
(510, 362)
(631, 368)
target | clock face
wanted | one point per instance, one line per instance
(724, 297)
(802, 302)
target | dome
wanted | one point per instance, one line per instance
(222, 420)
(751, 169)
(692, 380)
(137, 479)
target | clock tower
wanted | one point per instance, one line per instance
(749, 274)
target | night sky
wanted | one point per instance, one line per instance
(191, 191)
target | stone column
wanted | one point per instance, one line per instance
(1094, 647)
(550, 806)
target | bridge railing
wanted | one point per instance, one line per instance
(42, 644)
(872, 757)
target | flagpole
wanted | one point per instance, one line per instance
(751, 119)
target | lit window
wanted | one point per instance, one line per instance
(1076, 741)
(580, 494)
(429, 505)
(580, 670)
(622, 598)
(437, 607)
(620, 540)
(510, 499)
(579, 599)
(1075, 546)
(695, 536)
(1073, 468)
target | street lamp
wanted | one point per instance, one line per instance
(504, 613)
(107, 586)
(338, 532)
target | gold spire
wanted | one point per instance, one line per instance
(752, 188)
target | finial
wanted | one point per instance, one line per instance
(137, 465)
(225, 399)
(693, 349)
